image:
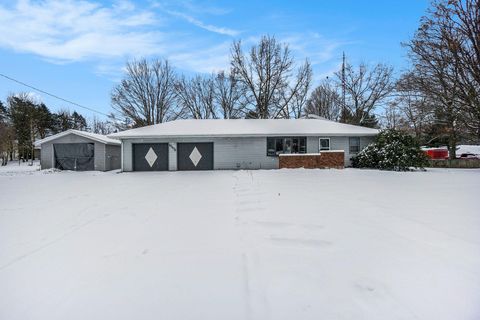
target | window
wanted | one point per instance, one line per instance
(278, 145)
(354, 143)
(324, 144)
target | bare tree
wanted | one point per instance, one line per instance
(393, 117)
(325, 101)
(267, 72)
(437, 74)
(146, 95)
(229, 96)
(195, 96)
(296, 97)
(416, 107)
(455, 27)
(6, 136)
(101, 127)
(365, 89)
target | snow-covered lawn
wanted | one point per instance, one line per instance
(16, 167)
(280, 244)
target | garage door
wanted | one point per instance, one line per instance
(195, 156)
(150, 157)
(74, 156)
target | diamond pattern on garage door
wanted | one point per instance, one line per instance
(195, 156)
(150, 156)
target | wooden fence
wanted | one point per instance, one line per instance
(457, 163)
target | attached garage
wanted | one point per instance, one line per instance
(79, 151)
(232, 144)
(150, 157)
(195, 156)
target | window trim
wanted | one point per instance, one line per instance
(283, 138)
(350, 145)
(320, 144)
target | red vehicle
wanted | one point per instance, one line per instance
(437, 154)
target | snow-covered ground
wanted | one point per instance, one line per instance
(280, 244)
(16, 167)
(474, 149)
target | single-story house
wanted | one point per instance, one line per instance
(79, 151)
(238, 143)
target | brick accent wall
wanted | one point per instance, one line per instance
(330, 159)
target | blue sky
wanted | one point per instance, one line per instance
(76, 49)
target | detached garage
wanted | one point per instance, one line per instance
(79, 151)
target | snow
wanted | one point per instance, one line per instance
(309, 154)
(16, 167)
(245, 128)
(278, 244)
(474, 149)
(94, 136)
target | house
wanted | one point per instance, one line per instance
(240, 144)
(80, 151)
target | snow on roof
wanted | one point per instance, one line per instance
(245, 127)
(94, 136)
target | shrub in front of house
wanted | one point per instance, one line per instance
(392, 150)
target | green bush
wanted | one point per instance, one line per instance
(392, 150)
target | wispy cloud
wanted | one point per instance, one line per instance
(65, 31)
(201, 7)
(211, 59)
(205, 26)
(107, 35)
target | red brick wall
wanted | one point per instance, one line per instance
(330, 159)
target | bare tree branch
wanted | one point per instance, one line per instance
(146, 94)
(266, 72)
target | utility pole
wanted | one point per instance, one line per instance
(344, 114)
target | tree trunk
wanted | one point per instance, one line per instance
(452, 149)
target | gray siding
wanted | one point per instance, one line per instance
(337, 143)
(100, 156)
(46, 161)
(238, 153)
(112, 157)
(228, 153)
(102, 161)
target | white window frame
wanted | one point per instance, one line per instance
(320, 144)
(350, 146)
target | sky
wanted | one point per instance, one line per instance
(77, 49)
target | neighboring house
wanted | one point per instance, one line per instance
(79, 151)
(236, 144)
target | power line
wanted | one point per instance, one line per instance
(52, 95)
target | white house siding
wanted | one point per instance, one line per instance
(48, 160)
(238, 153)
